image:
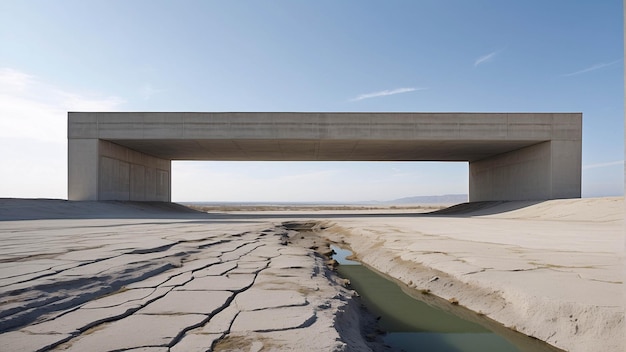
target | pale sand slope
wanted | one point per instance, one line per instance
(552, 270)
(141, 278)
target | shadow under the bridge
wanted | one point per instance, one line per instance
(49, 209)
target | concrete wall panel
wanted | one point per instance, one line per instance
(566, 169)
(114, 179)
(162, 185)
(109, 178)
(150, 184)
(137, 182)
(548, 170)
(123, 181)
(102, 170)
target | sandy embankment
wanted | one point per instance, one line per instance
(552, 270)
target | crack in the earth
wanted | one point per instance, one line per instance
(215, 312)
(95, 287)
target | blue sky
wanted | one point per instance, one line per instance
(422, 56)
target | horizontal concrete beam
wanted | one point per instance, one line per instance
(325, 136)
(489, 141)
(327, 126)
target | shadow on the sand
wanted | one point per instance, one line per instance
(484, 208)
(48, 209)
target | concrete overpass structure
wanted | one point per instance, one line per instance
(512, 156)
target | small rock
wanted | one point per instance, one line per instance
(325, 305)
(328, 253)
(332, 263)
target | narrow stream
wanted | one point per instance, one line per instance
(413, 325)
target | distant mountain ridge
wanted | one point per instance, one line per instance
(442, 199)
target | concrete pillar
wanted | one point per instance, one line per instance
(548, 170)
(102, 170)
(82, 176)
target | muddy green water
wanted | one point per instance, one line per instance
(413, 325)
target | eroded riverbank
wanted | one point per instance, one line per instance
(413, 319)
(551, 270)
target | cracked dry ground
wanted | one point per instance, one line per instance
(163, 286)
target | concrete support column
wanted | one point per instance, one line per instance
(82, 163)
(102, 170)
(548, 170)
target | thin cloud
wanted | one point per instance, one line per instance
(12, 80)
(592, 68)
(33, 109)
(612, 163)
(383, 93)
(33, 133)
(486, 58)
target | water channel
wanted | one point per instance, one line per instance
(411, 324)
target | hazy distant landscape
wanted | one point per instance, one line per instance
(446, 199)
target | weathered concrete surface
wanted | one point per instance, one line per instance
(150, 284)
(552, 270)
(512, 156)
